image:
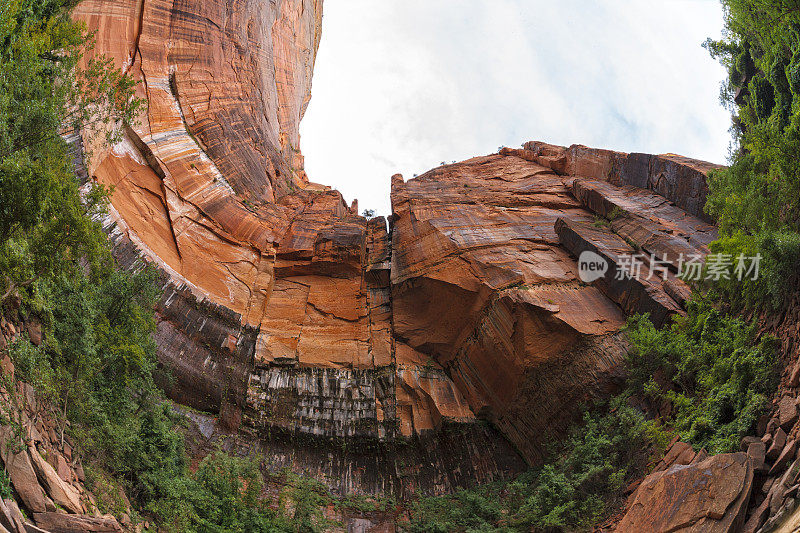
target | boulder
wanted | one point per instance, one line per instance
(61, 492)
(772, 425)
(786, 455)
(757, 517)
(20, 469)
(781, 486)
(787, 412)
(794, 377)
(777, 445)
(16, 515)
(710, 496)
(64, 523)
(757, 452)
(6, 365)
(34, 329)
(10, 516)
(761, 424)
(680, 453)
(745, 443)
(359, 525)
(63, 469)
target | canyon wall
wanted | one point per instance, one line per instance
(443, 347)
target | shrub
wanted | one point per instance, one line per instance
(710, 367)
(778, 270)
(755, 199)
(581, 482)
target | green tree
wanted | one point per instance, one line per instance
(755, 200)
(48, 87)
(711, 367)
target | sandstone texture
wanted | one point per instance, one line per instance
(295, 321)
(61, 523)
(710, 495)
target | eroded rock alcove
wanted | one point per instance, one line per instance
(440, 348)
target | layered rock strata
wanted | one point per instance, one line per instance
(367, 354)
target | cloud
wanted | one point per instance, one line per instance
(402, 85)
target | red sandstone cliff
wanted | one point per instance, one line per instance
(291, 316)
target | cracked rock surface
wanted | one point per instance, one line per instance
(290, 316)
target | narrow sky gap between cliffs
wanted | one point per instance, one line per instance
(403, 85)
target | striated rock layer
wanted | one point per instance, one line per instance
(485, 281)
(367, 354)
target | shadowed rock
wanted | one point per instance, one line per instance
(709, 496)
(636, 289)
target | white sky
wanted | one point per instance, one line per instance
(402, 85)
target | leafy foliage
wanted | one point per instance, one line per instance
(583, 479)
(755, 200)
(47, 87)
(303, 502)
(5, 485)
(777, 278)
(224, 495)
(710, 367)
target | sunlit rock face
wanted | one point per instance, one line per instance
(485, 281)
(288, 315)
(237, 75)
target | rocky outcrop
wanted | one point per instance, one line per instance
(636, 291)
(679, 179)
(481, 285)
(276, 311)
(710, 495)
(45, 471)
(17, 463)
(61, 523)
(307, 328)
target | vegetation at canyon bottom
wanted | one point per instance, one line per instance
(708, 369)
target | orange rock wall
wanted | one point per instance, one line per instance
(290, 316)
(265, 273)
(481, 285)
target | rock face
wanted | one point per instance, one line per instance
(235, 74)
(299, 322)
(481, 285)
(678, 179)
(710, 496)
(63, 523)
